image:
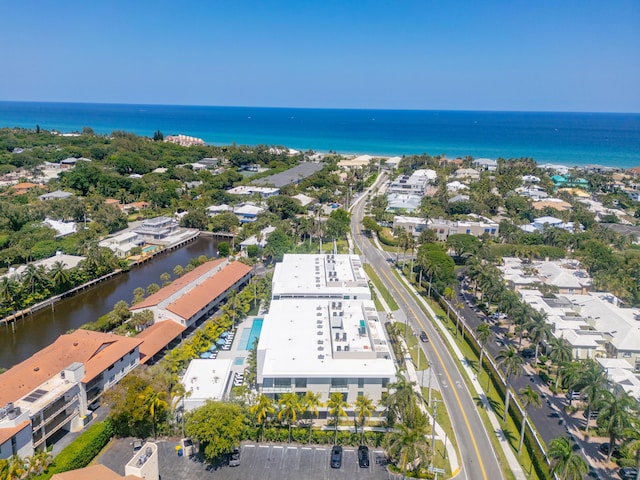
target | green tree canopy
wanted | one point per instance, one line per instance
(217, 426)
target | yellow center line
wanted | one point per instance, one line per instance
(464, 415)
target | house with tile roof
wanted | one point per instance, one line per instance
(50, 391)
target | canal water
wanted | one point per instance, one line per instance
(43, 327)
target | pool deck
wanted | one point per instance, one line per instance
(237, 347)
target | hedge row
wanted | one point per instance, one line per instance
(280, 434)
(538, 457)
(388, 241)
(82, 450)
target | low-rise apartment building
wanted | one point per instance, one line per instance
(565, 275)
(477, 228)
(51, 390)
(322, 332)
(193, 296)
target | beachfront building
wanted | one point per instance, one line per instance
(50, 391)
(478, 227)
(123, 244)
(322, 332)
(158, 228)
(564, 276)
(264, 192)
(192, 297)
(486, 164)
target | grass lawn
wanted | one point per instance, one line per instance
(381, 288)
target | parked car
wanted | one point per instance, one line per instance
(234, 459)
(528, 353)
(336, 456)
(423, 336)
(137, 445)
(604, 448)
(628, 473)
(363, 456)
(499, 316)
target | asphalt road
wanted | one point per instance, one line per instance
(478, 457)
(550, 419)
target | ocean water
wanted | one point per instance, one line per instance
(567, 138)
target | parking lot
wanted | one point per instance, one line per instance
(286, 462)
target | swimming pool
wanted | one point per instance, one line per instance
(249, 335)
(149, 249)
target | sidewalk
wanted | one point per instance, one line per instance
(412, 376)
(514, 465)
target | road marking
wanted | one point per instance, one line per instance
(435, 350)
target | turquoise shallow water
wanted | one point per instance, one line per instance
(569, 138)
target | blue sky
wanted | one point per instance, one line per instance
(465, 55)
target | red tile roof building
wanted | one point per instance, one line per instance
(194, 295)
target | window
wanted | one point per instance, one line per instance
(338, 382)
(301, 383)
(385, 382)
(361, 383)
(282, 382)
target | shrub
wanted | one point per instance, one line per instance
(82, 450)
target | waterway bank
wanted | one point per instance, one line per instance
(22, 339)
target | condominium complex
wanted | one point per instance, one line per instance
(322, 332)
(51, 390)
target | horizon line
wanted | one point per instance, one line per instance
(323, 108)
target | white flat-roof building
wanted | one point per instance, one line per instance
(264, 192)
(322, 332)
(122, 244)
(415, 184)
(412, 225)
(206, 379)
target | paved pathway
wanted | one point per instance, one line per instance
(514, 465)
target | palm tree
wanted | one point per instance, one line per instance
(59, 275)
(616, 415)
(560, 353)
(289, 408)
(594, 379)
(337, 406)
(539, 331)
(631, 445)
(401, 401)
(572, 377)
(261, 410)
(512, 363)
(483, 333)
(565, 463)
(15, 470)
(409, 444)
(449, 294)
(155, 404)
(178, 270)
(311, 403)
(364, 408)
(529, 397)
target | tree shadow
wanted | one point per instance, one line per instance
(472, 363)
(494, 404)
(508, 436)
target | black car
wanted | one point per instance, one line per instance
(336, 456)
(423, 336)
(604, 448)
(628, 473)
(528, 353)
(234, 458)
(363, 456)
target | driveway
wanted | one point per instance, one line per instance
(257, 461)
